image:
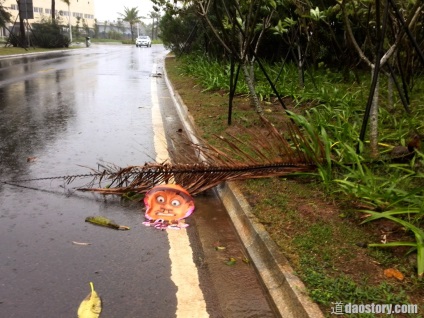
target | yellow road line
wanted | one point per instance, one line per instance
(191, 302)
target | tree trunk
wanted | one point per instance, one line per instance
(390, 103)
(300, 67)
(253, 96)
(252, 71)
(374, 121)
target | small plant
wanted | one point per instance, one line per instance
(319, 145)
(418, 245)
(319, 239)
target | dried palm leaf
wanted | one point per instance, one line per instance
(264, 155)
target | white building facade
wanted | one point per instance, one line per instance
(84, 9)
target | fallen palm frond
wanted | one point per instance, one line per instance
(268, 153)
(194, 178)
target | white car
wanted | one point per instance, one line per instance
(143, 40)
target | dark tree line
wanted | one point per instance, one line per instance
(385, 37)
(304, 32)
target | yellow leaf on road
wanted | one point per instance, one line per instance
(91, 306)
(101, 220)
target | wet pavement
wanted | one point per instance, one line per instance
(60, 114)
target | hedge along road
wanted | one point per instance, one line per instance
(61, 113)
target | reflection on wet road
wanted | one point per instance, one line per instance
(85, 107)
(69, 111)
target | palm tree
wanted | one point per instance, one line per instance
(132, 17)
(68, 2)
(53, 7)
(154, 15)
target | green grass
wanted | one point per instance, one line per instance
(18, 50)
(323, 251)
(314, 218)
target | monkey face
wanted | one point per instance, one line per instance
(169, 203)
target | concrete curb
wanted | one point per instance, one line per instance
(286, 290)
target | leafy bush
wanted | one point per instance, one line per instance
(48, 35)
(331, 110)
(13, 39)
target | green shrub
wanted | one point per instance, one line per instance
(48, 35)
(13, 39)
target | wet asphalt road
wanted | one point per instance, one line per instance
(70, 111)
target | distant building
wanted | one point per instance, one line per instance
(84, 9)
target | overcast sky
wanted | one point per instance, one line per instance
(109, 10)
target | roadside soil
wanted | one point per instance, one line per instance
(319, 233)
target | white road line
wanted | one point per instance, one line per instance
(191, 302)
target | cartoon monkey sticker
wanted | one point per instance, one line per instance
(167, 205)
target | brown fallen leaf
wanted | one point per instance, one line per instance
(31, 159)
(392, 272)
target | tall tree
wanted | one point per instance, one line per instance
(5, 16)
(132, 17)
(239, 27)
(380, 59)
(154, 15)
(68, 2)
